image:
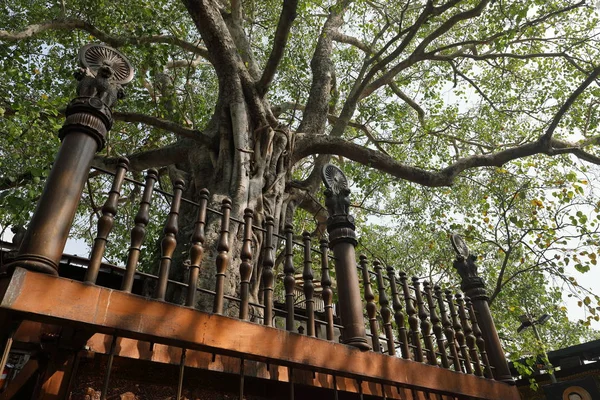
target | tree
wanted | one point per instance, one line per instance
(251, 98)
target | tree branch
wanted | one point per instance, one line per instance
(143, 160)
(69, 24)
(315, 115)
(286, 19)
(167, 125)
(321, 144)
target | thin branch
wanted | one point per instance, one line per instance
(69, 24)
(143, 160)
(167, 125)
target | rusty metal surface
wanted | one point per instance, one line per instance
(108, 311)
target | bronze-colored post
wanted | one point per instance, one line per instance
(413, 320)
(246, 265)
(458, 333)
(181, 372)
(437, 326)
(425, 324)
(469, 336)
(106, 222)
(88, 120)
(138, 232)
(479, 338)
(289, 281)
(111, 357)
(308, 287)
(342, 241)
(222, 261)
(371, 308)
(386, 313)
(169, 241)
(474, 287)
(448, 331)
(197, 249)
(267, 272)
(398, 314)
(327, 293)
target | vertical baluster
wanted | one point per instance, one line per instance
(470, 337)
(425, 324)
(398, 314)
(386, 314)
(169, 241)
(222, 261)
(267, 272)
(326, 285)
(371, 307)
(289, 281)
(413, 321)
(479, 338)
(458, 332)
(106, 222)
(437, 326)
(197, 249)
(308, 286)
(448, 330)
(246, 265)
(139, 231)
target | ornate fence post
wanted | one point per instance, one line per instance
(88, 119)
(474, 287)
(342, 241)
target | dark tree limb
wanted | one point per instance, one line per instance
(286, 19)
(143, 160)
(167, 125)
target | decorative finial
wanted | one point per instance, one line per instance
(103, 71)
(334, 179)
(459, 245)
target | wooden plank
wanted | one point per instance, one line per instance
(51, 299)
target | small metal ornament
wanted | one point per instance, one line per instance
(459, 245)
(95, 57)
(334, 179)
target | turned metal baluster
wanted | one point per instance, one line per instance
(327, 293)
(458, 332)
(106, 222)
(437, 326)
(371, 307)
(479, 338)
(308, 287)
(413, 321)
(222, 261)
(289, 281)
(470, 338)
(425, 324)
(139, 231)
(386, 314)
(448, 330)
(197, 249)
(169, 241)
(246, 265)
(398, 314)
(267, 272)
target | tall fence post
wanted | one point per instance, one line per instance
(342, 241)
(474, 287)
(88, 119)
